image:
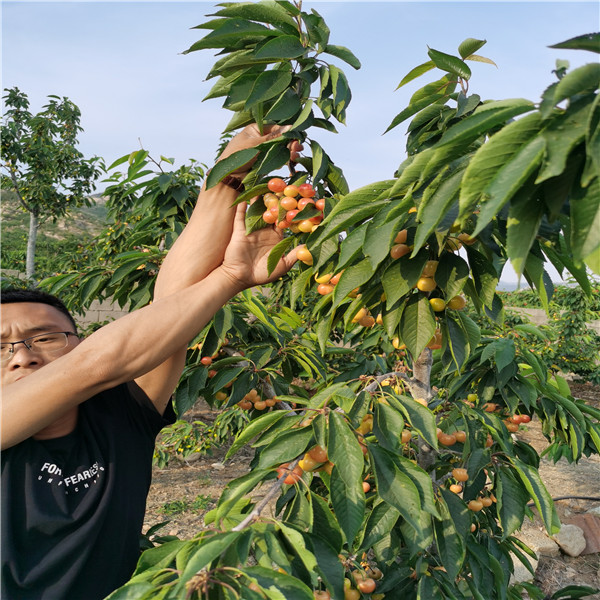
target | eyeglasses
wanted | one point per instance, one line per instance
(44, 342)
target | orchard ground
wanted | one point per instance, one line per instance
(178, 486)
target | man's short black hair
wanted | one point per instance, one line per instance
(13, 295)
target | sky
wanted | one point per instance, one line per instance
(122, 64)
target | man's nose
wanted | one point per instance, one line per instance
(22, 356)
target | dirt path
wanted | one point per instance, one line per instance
(183, 493)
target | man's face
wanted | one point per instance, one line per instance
(21, 320)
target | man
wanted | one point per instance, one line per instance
(79, 417)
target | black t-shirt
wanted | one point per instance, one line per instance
(73, 507)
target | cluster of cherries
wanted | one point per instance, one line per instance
(253, 400)
(285, 201)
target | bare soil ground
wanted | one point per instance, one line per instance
(205, 478)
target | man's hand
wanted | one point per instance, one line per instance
(245, 261)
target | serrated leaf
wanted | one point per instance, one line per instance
(344, 450)
(524, 219)
(469, 46)
(435, 206)
(277, 252)
(381, 521)
(492, 156)
(417, 324)
(416, 72)
(508, 180)
(387, 422)
(449, 63)
(232, 31)
(483, 59)
(253, 429)
(585, 217)
(400, 277)
(530, 477)
(352, 278)
(286, 447)
(264, 12)
(282, 47)
(420, 417)
(588, 41)
(228, 165)
(485, 117)
(450, 545)
(343, 53)
(348, 502)
(268, 85)
(320, 161)
(562, 134)
(396, 488)
(451, 274)
(356, 205)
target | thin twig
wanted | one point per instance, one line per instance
(256, 512)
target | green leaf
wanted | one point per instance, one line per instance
(449, 63)
(423, 482)
(588, 41)
(328, 563)
(563, 134)
(354, 206)
(320, 162)
(277, 585)
(277, 252)
(417, 72)
(264, 12)
(353, 277)
(276, 156)
(402, 274)
(492, 156)
(483, 59)
(512, 499)
(343, 53)
(253, 429)
(325, 524)
(508, 180)
(539, 494)
(420, 417)
(304, 119)
(469, 46)
(435, 206)
(381, 521)
(451, 274)
(484, 275)
(585, 216)
(450, 545)
(282, 47)
(396, 488)
(524, 219)
(206, 553)
(285, 107)
(285, 448)
(417, 324)
(581, 80)
(348, 502)
(268, 85)
(413, 108)
(387, 424)
(231, 32)
(230, 164)
(484, 118)
(344, 450)
(457, 342)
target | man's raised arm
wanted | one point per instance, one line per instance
(197, 251)
(138, 343)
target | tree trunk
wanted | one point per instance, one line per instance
(31, 242)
